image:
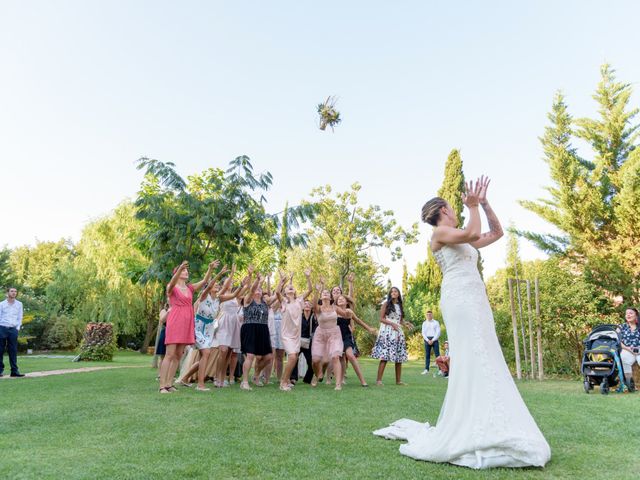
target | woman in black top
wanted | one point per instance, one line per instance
(309, 325)
(254, 335)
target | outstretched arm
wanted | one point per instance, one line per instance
(360, 322)
(198, 285)
(495, 229)
(446, 235)
(176, 276)
(307, 274)
(252, 290)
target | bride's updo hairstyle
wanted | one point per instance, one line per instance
(431, 210)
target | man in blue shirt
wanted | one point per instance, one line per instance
(10, 323)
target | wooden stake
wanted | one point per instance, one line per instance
(514, 322)
(531, 355)
(524, 341)
(539, 325)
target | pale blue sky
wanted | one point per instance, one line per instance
(87, 87)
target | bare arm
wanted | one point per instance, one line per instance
(360, 322)
(307, 274)
(351, 297)
(198, 285)
(495, 229)
(447, 235)
(176, 276)
(252, 290)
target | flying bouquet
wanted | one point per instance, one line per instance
(328, 113)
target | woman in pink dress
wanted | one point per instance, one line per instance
(327, 343)
(292, 326)
(180, 321)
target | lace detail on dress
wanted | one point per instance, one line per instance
(483, 422)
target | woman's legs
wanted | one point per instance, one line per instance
(202, 366)
(350, 356)
(399, 374)
(170, 364)
(292, 360)
(233, 363)
(381, 367)
(309, 375)
(246, 367)
(317, 365)
(223, 361)
(279, 361)
(628, 359)
(337, 371)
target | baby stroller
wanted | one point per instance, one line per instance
(601, 360)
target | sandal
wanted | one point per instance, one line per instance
(285, 388)
(245, 386)
(164, 390)
(182, 383)
(203, 389)
(171, 389)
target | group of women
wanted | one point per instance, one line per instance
(231, 322)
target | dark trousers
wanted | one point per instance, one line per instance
(309, 375)
(427, 350)
(9, 339)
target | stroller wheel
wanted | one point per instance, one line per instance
(604, 387)
(587, 386)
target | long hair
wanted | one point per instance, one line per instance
(390, 308)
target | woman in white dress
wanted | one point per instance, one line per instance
(483, 422)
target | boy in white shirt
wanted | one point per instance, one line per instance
(431, 334)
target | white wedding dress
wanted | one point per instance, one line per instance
(483, 422)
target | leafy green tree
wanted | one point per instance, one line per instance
(215, 214)
(34, 267)
(342, 237)
(593, 203)
(6, 275)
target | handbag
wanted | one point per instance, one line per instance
(305, 342)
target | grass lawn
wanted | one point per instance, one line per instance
(113, 424)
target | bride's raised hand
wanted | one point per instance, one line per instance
(484, 185)
(471, 195)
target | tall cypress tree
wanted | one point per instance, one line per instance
(453, 184)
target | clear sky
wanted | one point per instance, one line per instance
(87, 87)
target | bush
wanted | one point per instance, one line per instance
(62, 333)
(365, 341)
(99, 343)
(415, 346)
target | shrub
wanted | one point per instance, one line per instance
(415, 346)
(365, 341)
(62, 333)
(98, 343)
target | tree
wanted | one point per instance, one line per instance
(342, 238)
(6, 275)
(34, 267)
(101, 283)
(216, 214)
(593, 202)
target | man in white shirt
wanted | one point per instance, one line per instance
(10, 323)
(431, 334)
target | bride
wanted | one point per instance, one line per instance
(483, 422)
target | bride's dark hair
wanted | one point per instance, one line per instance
(431, 210)
(390, 308)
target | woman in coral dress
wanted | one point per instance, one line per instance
(180, 321)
